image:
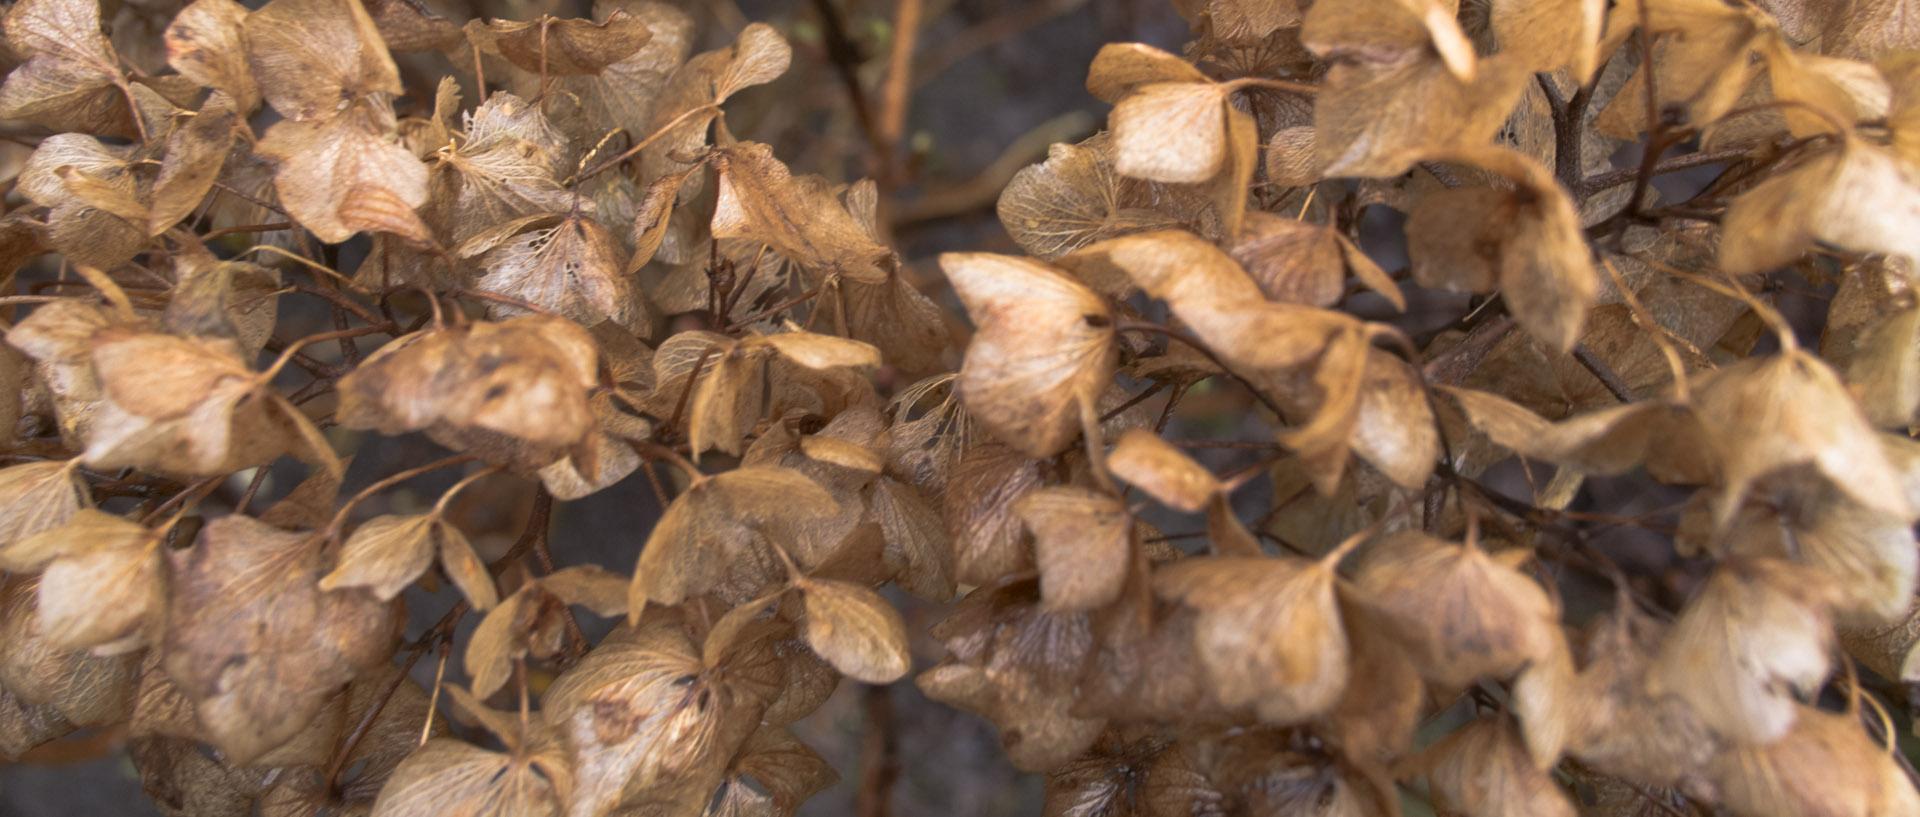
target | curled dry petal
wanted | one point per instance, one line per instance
(255, 643)
(760, 199)
(916, 539)
(1618, 726)
(1045, 344)
(1121, 68)
(1608, 441)
(715, 526)
(571, 268)
(1482, 770)
(1552, 35)
(1757, 634)
(204, 43)
(526, 378)
(1790, 409)
(36, 497)
(980, 497)
(1528, 241)
(1270, 632)
(1150, 463)
(1826, 765)
(635, 713)
(1075, 198)
(348, 174)
(315, 58)
(82, 688)
(1082, 541)
(385, 555)
(1210, 293)
(107, 583)
(1859, 197)
(1887, 649)
(1303, 263)
(70, 77)
(855, 630)
(1871, 555)
(1403, 85)
(1172, 132)
(1460, 614)
(195, 153)
(449, 776)
(564, 47)
(1017, 665)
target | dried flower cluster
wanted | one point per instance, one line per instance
(563, 267)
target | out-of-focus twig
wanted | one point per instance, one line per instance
(899, 83)
(983, 188)
(846, 63)
(987, 34)
(879, 755)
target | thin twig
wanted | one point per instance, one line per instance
(538, 521)
(444, 628)
(635, 150)
(661, 452)
(507, 300)
(253, 487)
(187, 496)
(1196, 345)
(312, 390)
(1594, 184)
(773, 310)
(846, 60)
(680, 405)
(1452, 366)
(894, 93)
(1602, 372)
(1173, 401)
(251, 199)
(319, 369)
(339, 299)
(340, 516)
(1133, 401)
(879, 754)
(248, 228)
(659, 490)
(543, 555)
(991, 32)
(1250, 445)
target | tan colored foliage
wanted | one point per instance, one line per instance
(1560, 514)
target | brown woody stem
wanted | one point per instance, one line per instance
(845, 57)
(1452, 366)
(543, 555)
(635, 150)
(333, 527)
(680, 405)
(879, 754)
(247, 228)
(1594, 184)
(440, 506)
(773, 310)
(1196, 345)
(443, 629)
(498, 298)
(339, 299)
(185, 498)
(1602, 372)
